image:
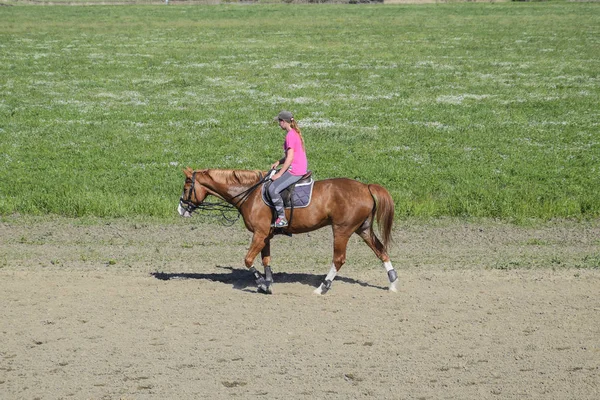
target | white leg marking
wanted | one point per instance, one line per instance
(393, 286)
(332, 273)
(330, 277)
(388, 267)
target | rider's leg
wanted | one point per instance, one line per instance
(278, 186)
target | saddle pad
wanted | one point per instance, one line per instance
(301, 196)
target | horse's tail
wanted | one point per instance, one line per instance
(383, 211)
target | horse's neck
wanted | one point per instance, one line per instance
(229, 184)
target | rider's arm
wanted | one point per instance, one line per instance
(287, 161)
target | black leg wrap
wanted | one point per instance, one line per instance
(392, 275)
(268, 274)
(261, 283)
(326, 286)
(256, 274)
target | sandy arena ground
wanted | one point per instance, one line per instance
(138, 310)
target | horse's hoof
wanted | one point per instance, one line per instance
(323, 287)
(265, 289)
(393, 287)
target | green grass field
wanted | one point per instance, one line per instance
(476, 110)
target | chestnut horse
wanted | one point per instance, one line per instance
(347, 205)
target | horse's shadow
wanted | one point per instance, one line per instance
(242, 279)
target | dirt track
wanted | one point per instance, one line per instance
(137, 310)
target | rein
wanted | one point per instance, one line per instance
(220, 207)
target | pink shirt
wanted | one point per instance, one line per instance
(299, 165)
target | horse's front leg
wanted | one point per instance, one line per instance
(266, 261)
(259, 242)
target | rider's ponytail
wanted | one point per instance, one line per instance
(294, 126)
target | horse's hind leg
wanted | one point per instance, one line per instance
(371, 240)
(340, 242)
(326, 284)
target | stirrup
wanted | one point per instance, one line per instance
(280, 223)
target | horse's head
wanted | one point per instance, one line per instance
(193, 194)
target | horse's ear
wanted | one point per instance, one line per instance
(188, 172)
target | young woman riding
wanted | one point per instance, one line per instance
(294, 164)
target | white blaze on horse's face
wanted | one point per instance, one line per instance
(187, 205)
(183, 212)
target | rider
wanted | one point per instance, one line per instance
(293, 164)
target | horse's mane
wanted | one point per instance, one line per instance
(235, 177)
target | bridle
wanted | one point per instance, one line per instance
(185, 201)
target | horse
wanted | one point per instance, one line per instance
(349, 206)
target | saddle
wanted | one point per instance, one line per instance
(297, 195)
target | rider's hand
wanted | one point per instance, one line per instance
(275, 165)
(276, 176)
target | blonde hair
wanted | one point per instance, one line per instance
(294, 126)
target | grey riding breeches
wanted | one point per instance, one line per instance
(278, 186)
